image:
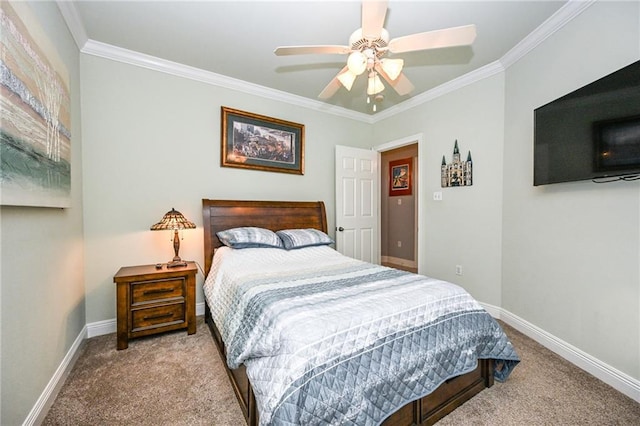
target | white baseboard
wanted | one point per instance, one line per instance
(611, 376)
(39, 411)
(614, 378)
(99, 328)
(398, 261)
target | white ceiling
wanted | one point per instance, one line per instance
(237, 38)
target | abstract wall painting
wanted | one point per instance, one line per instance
(35, 117)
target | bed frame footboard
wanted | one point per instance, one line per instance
(425, 411)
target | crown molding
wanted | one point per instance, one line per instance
(131, 57)
(564, 15)
(555, 22)
(74, 22)
(76, 27)
(448, 87)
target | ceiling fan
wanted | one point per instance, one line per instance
(368, 46)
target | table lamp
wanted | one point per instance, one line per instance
(176, 221)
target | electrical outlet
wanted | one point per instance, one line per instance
(437, 196)
(399, 243)
(458, 269)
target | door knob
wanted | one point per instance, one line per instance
(341, 229)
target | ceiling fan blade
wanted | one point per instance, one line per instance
(401, 84)
(373, 13)
(308, 50)
(457, 36)
(333, 86)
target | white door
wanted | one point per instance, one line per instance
(357, 195)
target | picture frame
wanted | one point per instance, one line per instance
(35, 124)
(258, 142)
(400, 181)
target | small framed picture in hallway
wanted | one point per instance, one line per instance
(400, 177)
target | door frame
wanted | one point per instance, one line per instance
(397, 143)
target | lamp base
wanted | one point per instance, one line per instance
(176, 263)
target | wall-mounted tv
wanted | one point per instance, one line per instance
(592, 133)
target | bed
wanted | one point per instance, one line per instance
(428, 397)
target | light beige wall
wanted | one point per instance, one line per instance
(571, 250)
(567, 254)
(152, 142)
(43, 307)
(465, 227)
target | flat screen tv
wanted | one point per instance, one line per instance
(592, 133)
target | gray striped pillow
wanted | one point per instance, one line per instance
(298, 238)
(248, 237)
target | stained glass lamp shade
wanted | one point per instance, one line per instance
(174, 220)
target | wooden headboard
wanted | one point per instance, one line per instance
(219, 215)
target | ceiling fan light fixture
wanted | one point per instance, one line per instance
(368, 47)
(347, 78)
(392, 67)
(357, 62)
(374, 85)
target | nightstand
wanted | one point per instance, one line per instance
(152, 300)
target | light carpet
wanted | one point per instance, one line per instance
(176, 379)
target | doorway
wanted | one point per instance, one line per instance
(347, 190)
(400, 216)
(399, 207)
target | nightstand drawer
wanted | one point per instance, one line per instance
(153, 300)
(160, 316)
(151, 291)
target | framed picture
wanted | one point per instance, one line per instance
(400, 177)
(252, 141)
(35, 124)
